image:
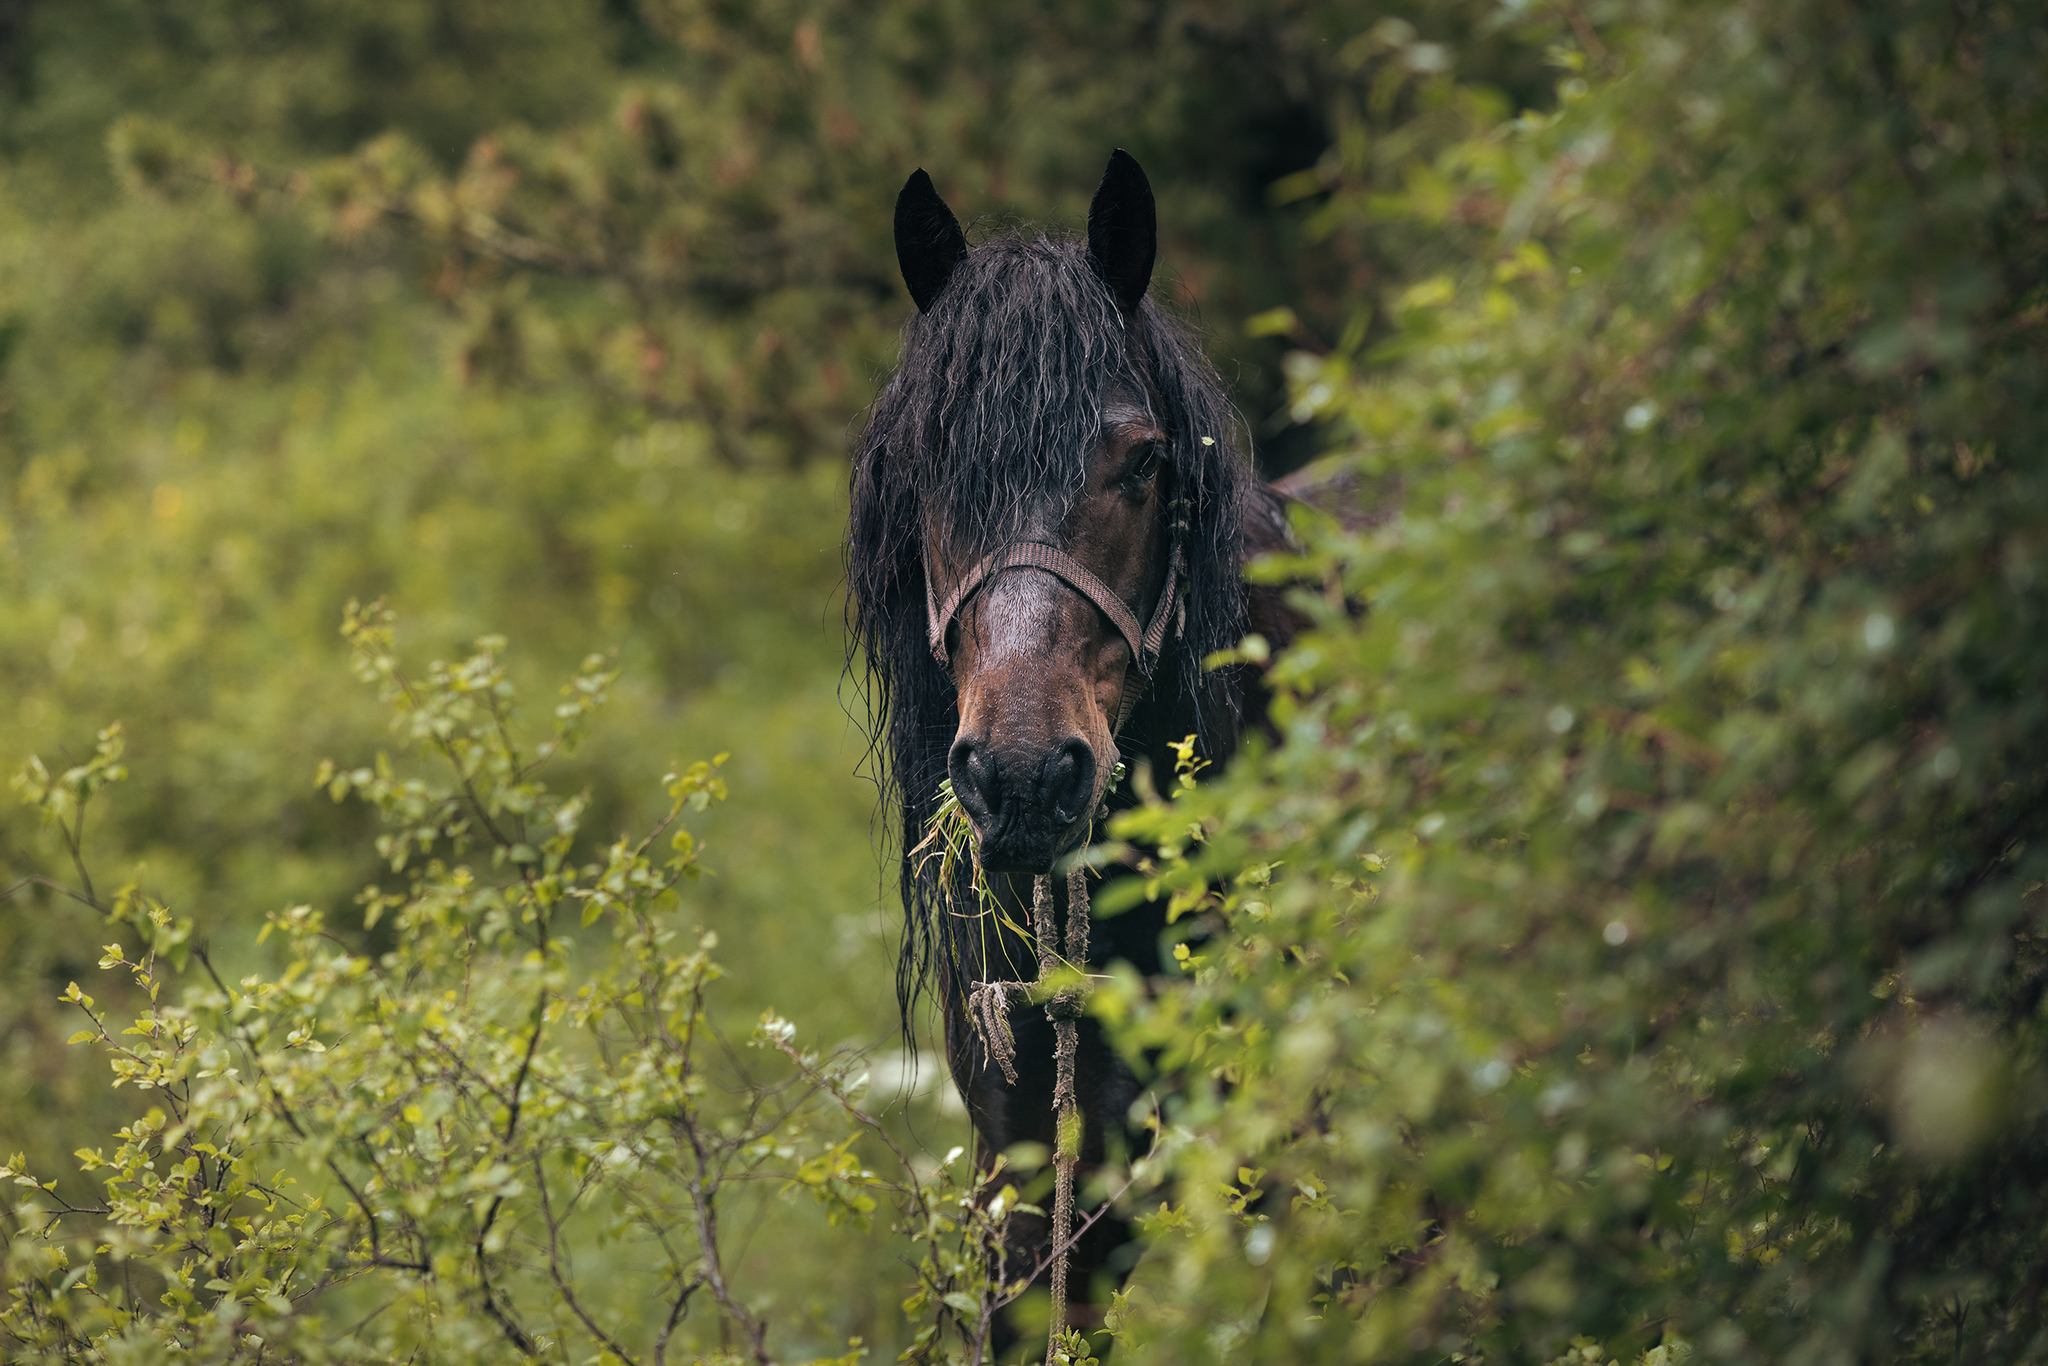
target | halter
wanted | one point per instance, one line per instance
(1145, 645)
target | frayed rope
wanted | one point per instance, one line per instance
(988, 1007)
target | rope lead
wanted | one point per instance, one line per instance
(1064, 1010)
(988, 1006)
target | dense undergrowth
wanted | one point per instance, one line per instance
(1635, 936)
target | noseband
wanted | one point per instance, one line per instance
(1145, 645)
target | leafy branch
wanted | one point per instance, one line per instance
(462, 1130)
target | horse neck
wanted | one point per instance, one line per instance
(1168, 715)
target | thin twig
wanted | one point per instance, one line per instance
(1063, 1248)
(703, 1188)
(74, 839)
(540, 1181)
(514, 1334)
(675, 1316)
(39, 880)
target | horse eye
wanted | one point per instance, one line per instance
(1148, 463)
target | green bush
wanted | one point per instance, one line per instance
(1635, 935)
(516, 1133)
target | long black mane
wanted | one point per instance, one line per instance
(986, 425)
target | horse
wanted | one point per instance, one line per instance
(1052, 505)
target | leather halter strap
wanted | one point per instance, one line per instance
(1145, 645)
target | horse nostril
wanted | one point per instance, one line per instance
(1070, 780)
(973, 771)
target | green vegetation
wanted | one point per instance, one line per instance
(1637, 936)
(508, 1134)
(1632, 945)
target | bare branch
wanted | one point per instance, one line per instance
(39, 880)
(514, 1334)
(1053, 1253)
(675, 1316)
(562, 1283)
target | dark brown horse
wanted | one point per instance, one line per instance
(1052, 506)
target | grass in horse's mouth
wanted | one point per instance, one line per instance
(949, 844)
(949, 839)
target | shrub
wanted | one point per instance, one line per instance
(517, 1131)
(1635, 933)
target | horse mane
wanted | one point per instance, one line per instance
(986, 425)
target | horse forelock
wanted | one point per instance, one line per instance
(984, 431)
(1001, 390)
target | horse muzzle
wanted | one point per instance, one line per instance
(1028, 809)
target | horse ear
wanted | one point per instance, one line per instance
(1123, 228)
(929, 242)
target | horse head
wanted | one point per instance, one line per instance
(1056, 519)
